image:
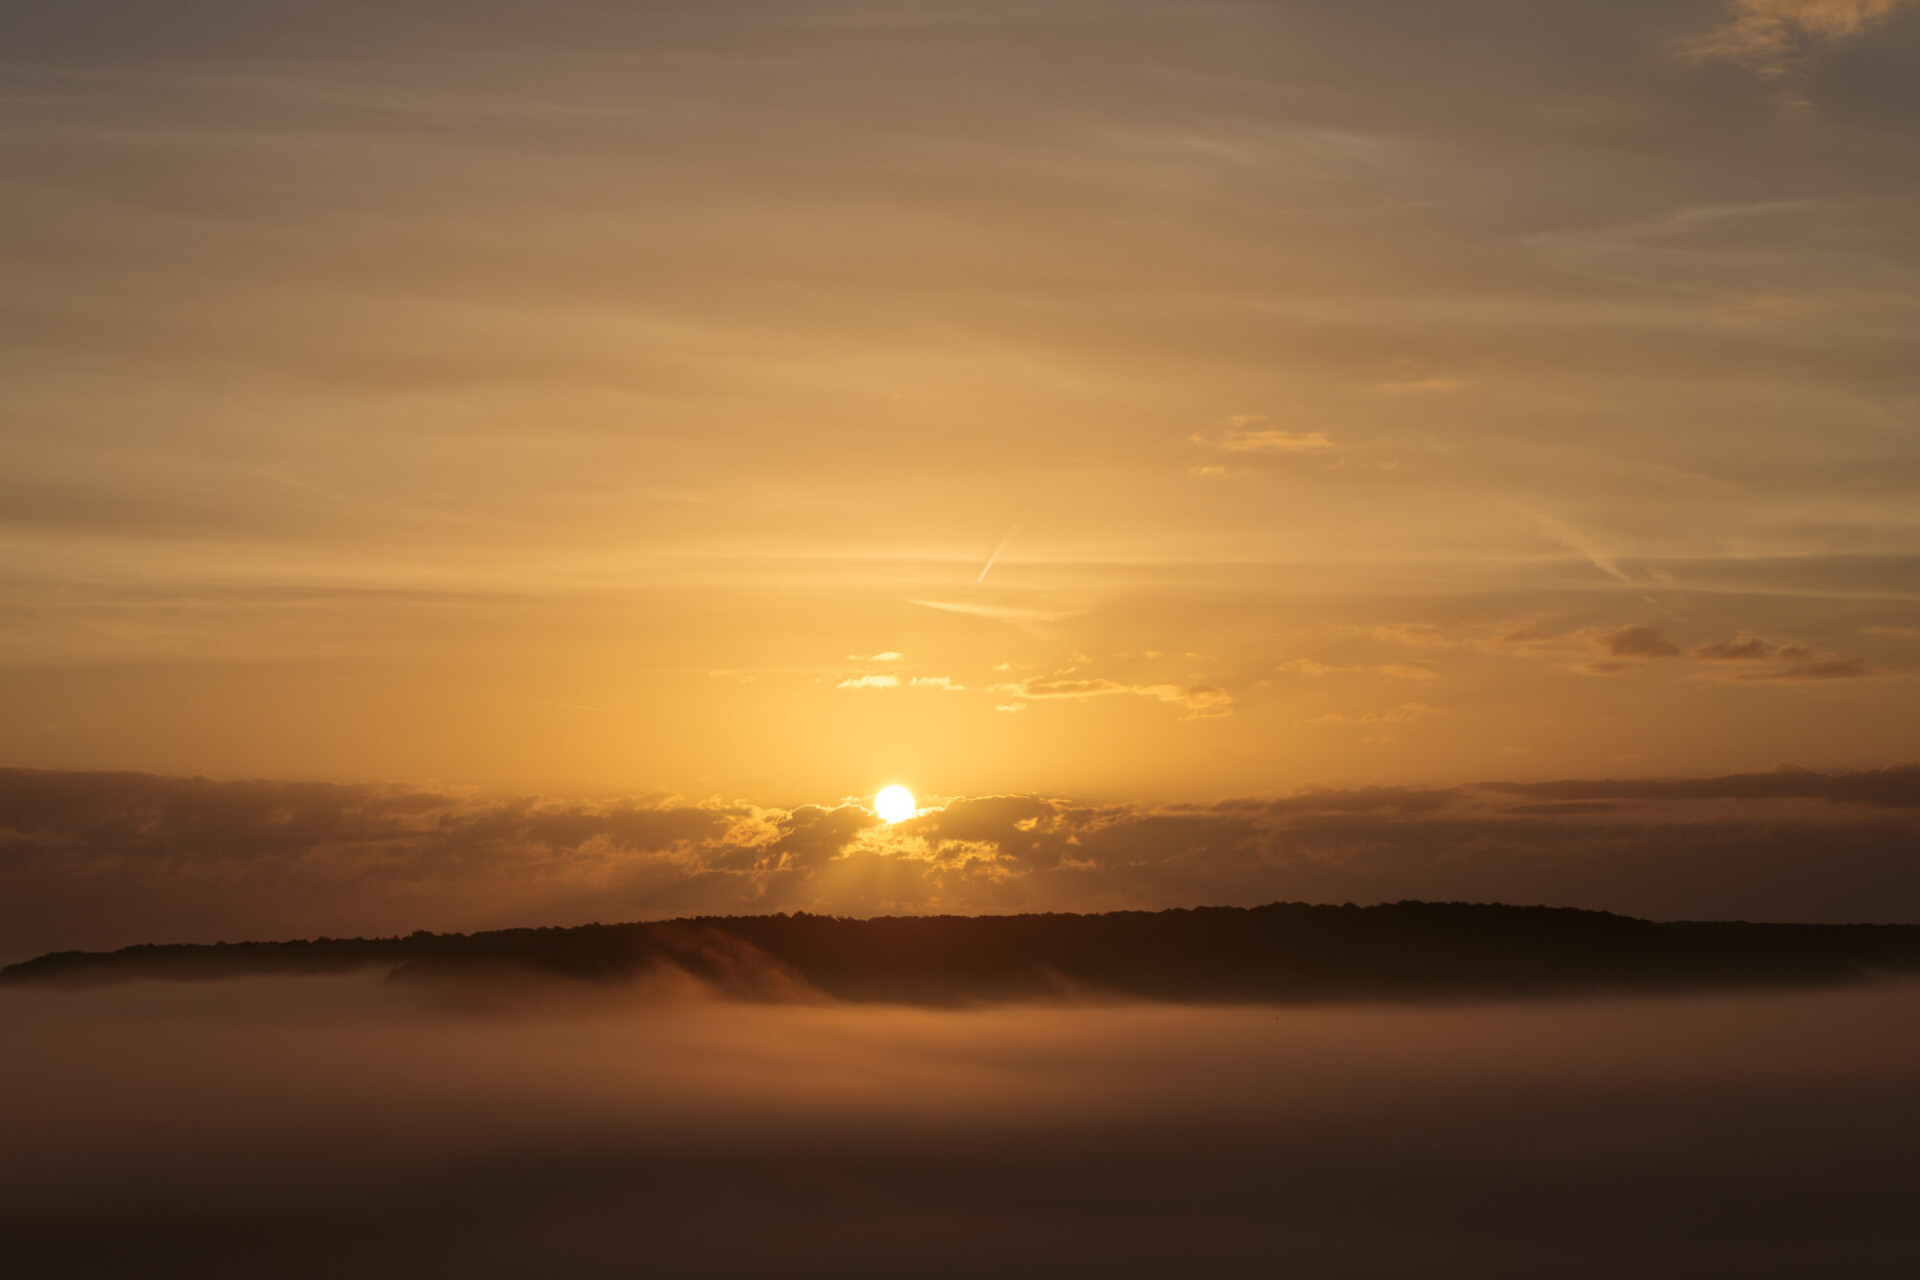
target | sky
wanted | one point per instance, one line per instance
(1123, 406)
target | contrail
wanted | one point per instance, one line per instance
(1561, 533)
(1000, 613)
(1001, 546)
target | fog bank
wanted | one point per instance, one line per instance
(309, 1126)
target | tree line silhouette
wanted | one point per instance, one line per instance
(1281, 952)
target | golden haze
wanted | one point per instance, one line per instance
(770, 403)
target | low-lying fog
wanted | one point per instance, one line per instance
(334, 1126)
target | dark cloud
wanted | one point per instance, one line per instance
(1352, 800)
(1802, 662)
(1813, 668)
(1552, 809)
(127, 854)
(91, 860)
(1636, 642)
(1024, 833)
(811, 836)
(1745, 649)
(1895, 787)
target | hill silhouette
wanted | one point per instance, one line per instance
(1285, 952)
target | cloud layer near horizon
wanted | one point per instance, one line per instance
(95, 860)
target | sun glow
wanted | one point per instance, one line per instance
(895, 804)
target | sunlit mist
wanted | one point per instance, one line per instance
(720, 1139)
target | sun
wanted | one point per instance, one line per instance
(895, 804)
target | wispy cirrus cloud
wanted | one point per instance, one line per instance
(1420, 669)
(1405, 713)
(1245, 436)
(1422, 384)
(1199, 701)
(1482, 635)
(1275, 442)
(1811, 668)
(1771, 34)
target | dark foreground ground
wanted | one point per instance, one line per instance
(1286, 952)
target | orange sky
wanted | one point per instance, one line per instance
(591, 399)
